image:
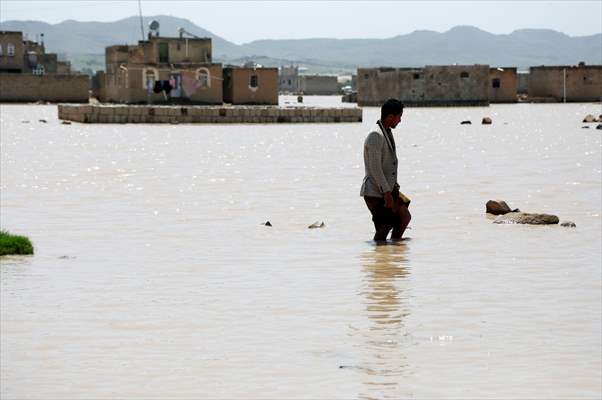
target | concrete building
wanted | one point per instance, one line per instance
(161, 70)
(12, 52)
(28, 73)
(318, 85)
(571, 82)
(427, 86)
(249, 85)
(503, 84)
(180, 70)
(288, 79)
(523, 83)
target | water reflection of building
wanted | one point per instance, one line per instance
(384, 361)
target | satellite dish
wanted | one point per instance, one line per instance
(154, 25)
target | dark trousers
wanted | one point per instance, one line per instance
(384, 218)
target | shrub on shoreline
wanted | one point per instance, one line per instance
(13, 244)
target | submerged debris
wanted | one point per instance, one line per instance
(526, 218)
(568, 224)
(589, 118)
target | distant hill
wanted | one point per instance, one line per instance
(92, 37)
(84, 43)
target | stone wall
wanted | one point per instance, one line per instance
(583, 82)
(431, 85)
(207, 114)
(53, 88)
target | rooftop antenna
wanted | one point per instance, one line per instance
(153, 28)
(140, 13)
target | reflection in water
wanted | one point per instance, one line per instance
(385, 268)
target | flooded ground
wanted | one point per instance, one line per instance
(154, 278)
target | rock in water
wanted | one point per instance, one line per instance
(316, 225)
(526, 218)
(599, 126)
(268, 223)
(465, 123)
(486, 121)
(568, 224)
(497, 207)
(589, 118)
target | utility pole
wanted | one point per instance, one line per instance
(564, 84)
(140, 13)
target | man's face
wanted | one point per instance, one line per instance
(394, 119)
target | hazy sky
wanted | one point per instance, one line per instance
(244, 21)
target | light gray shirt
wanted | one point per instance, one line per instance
(380, 163)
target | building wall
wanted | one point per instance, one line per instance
(49, 61)
(237, 88)
(431, 85)
(54, 88)
(583, 82)
(12, 63)
(63, 67)
(180, 50)
(127, 84)
(289, 79)
(99, 86)
(523, 82)
(318, 84)
(125, 80)
(507, 83)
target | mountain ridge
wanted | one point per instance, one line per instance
(82, 41)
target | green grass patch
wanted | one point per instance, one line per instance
(13, 244)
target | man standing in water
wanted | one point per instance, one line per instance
(389, 207)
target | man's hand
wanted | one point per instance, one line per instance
(388, 200)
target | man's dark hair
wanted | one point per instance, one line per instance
(391, 107)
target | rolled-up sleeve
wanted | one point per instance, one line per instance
(373, 153)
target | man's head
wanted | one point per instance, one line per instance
(390, 113)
